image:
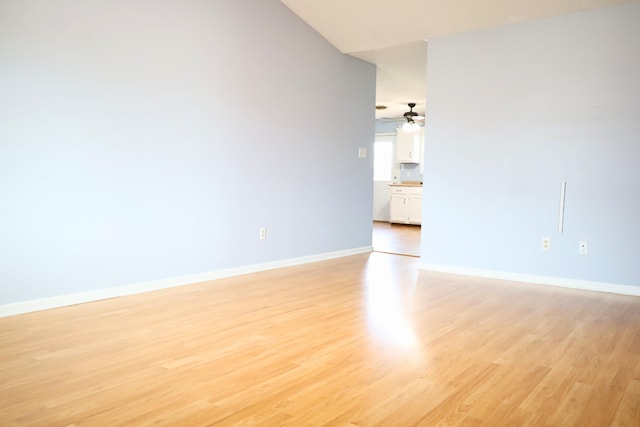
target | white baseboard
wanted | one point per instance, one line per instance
(100, 294)
(538, 280)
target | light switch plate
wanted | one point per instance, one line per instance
(362, 153)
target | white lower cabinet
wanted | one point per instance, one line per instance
(415, 208)
(406, 205)
(398, 209)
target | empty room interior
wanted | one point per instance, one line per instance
(186, 193)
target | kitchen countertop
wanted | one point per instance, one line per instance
(407, 184)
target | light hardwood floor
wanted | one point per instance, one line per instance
(396, 238)
(365, 340)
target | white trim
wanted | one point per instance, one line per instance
(538, 280)
(100, 294)
(563, 190)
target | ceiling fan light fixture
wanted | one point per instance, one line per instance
(410, 126)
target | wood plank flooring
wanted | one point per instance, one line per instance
(365, 340)
(398, 239)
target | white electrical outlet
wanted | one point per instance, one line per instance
(546, 243)
(263, 233)
(583, 249)
(362, 153)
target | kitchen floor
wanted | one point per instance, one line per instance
(396, 238)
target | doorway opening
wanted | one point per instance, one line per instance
(388, 237)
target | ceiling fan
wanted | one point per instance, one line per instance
(412, 115)
(410, 118)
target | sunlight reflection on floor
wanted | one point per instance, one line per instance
(389, 303)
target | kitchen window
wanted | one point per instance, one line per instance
(382, 159)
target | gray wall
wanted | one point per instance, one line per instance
(146, 140)
(514, 111)
(387, 126)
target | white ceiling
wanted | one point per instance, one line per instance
(392, 33)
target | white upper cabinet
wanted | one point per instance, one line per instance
(409, 146)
